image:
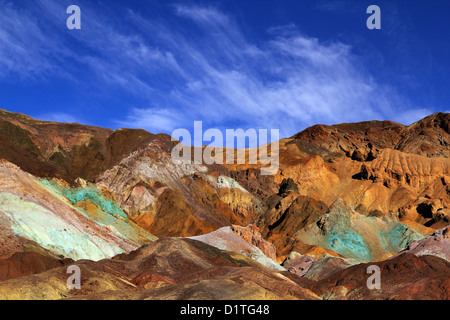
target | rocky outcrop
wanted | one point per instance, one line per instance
(397, 168)
(285, 216)
(252, 236)
(328, 266)
(168, 199)
(298, 264)
(228, 239)
(54, 219)
(404, 277)
(437, 244)
(22, 264)
(170, 268)
(355, 236)
(68, 150)
(362, 141)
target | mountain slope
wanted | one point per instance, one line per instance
(344, 195)
(31, 209)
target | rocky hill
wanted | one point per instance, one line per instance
(112, 202)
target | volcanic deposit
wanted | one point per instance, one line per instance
(139, 226)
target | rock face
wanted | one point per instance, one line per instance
(362, 141)
(26, 263)
(287, 214)
(375, 192)
(381, 169)
(298, 264)
(404, 277)
(252, 236)
(393, 167)
(67, 150)
(437, 244)
(177, 200)
(37, 211)
(327, 266)
(352, 235)
(228, 239)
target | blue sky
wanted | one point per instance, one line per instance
(161, 65)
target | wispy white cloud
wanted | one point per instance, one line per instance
(207, 16)
(335, 6)
(204, 67)
(26, 51)
(289, 82)
(154, 120)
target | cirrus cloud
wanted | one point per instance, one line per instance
(197, 63)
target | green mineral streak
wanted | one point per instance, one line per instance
(399, 237)
(108, 214)
(52, 232)
(90, 193)
(349, 244)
